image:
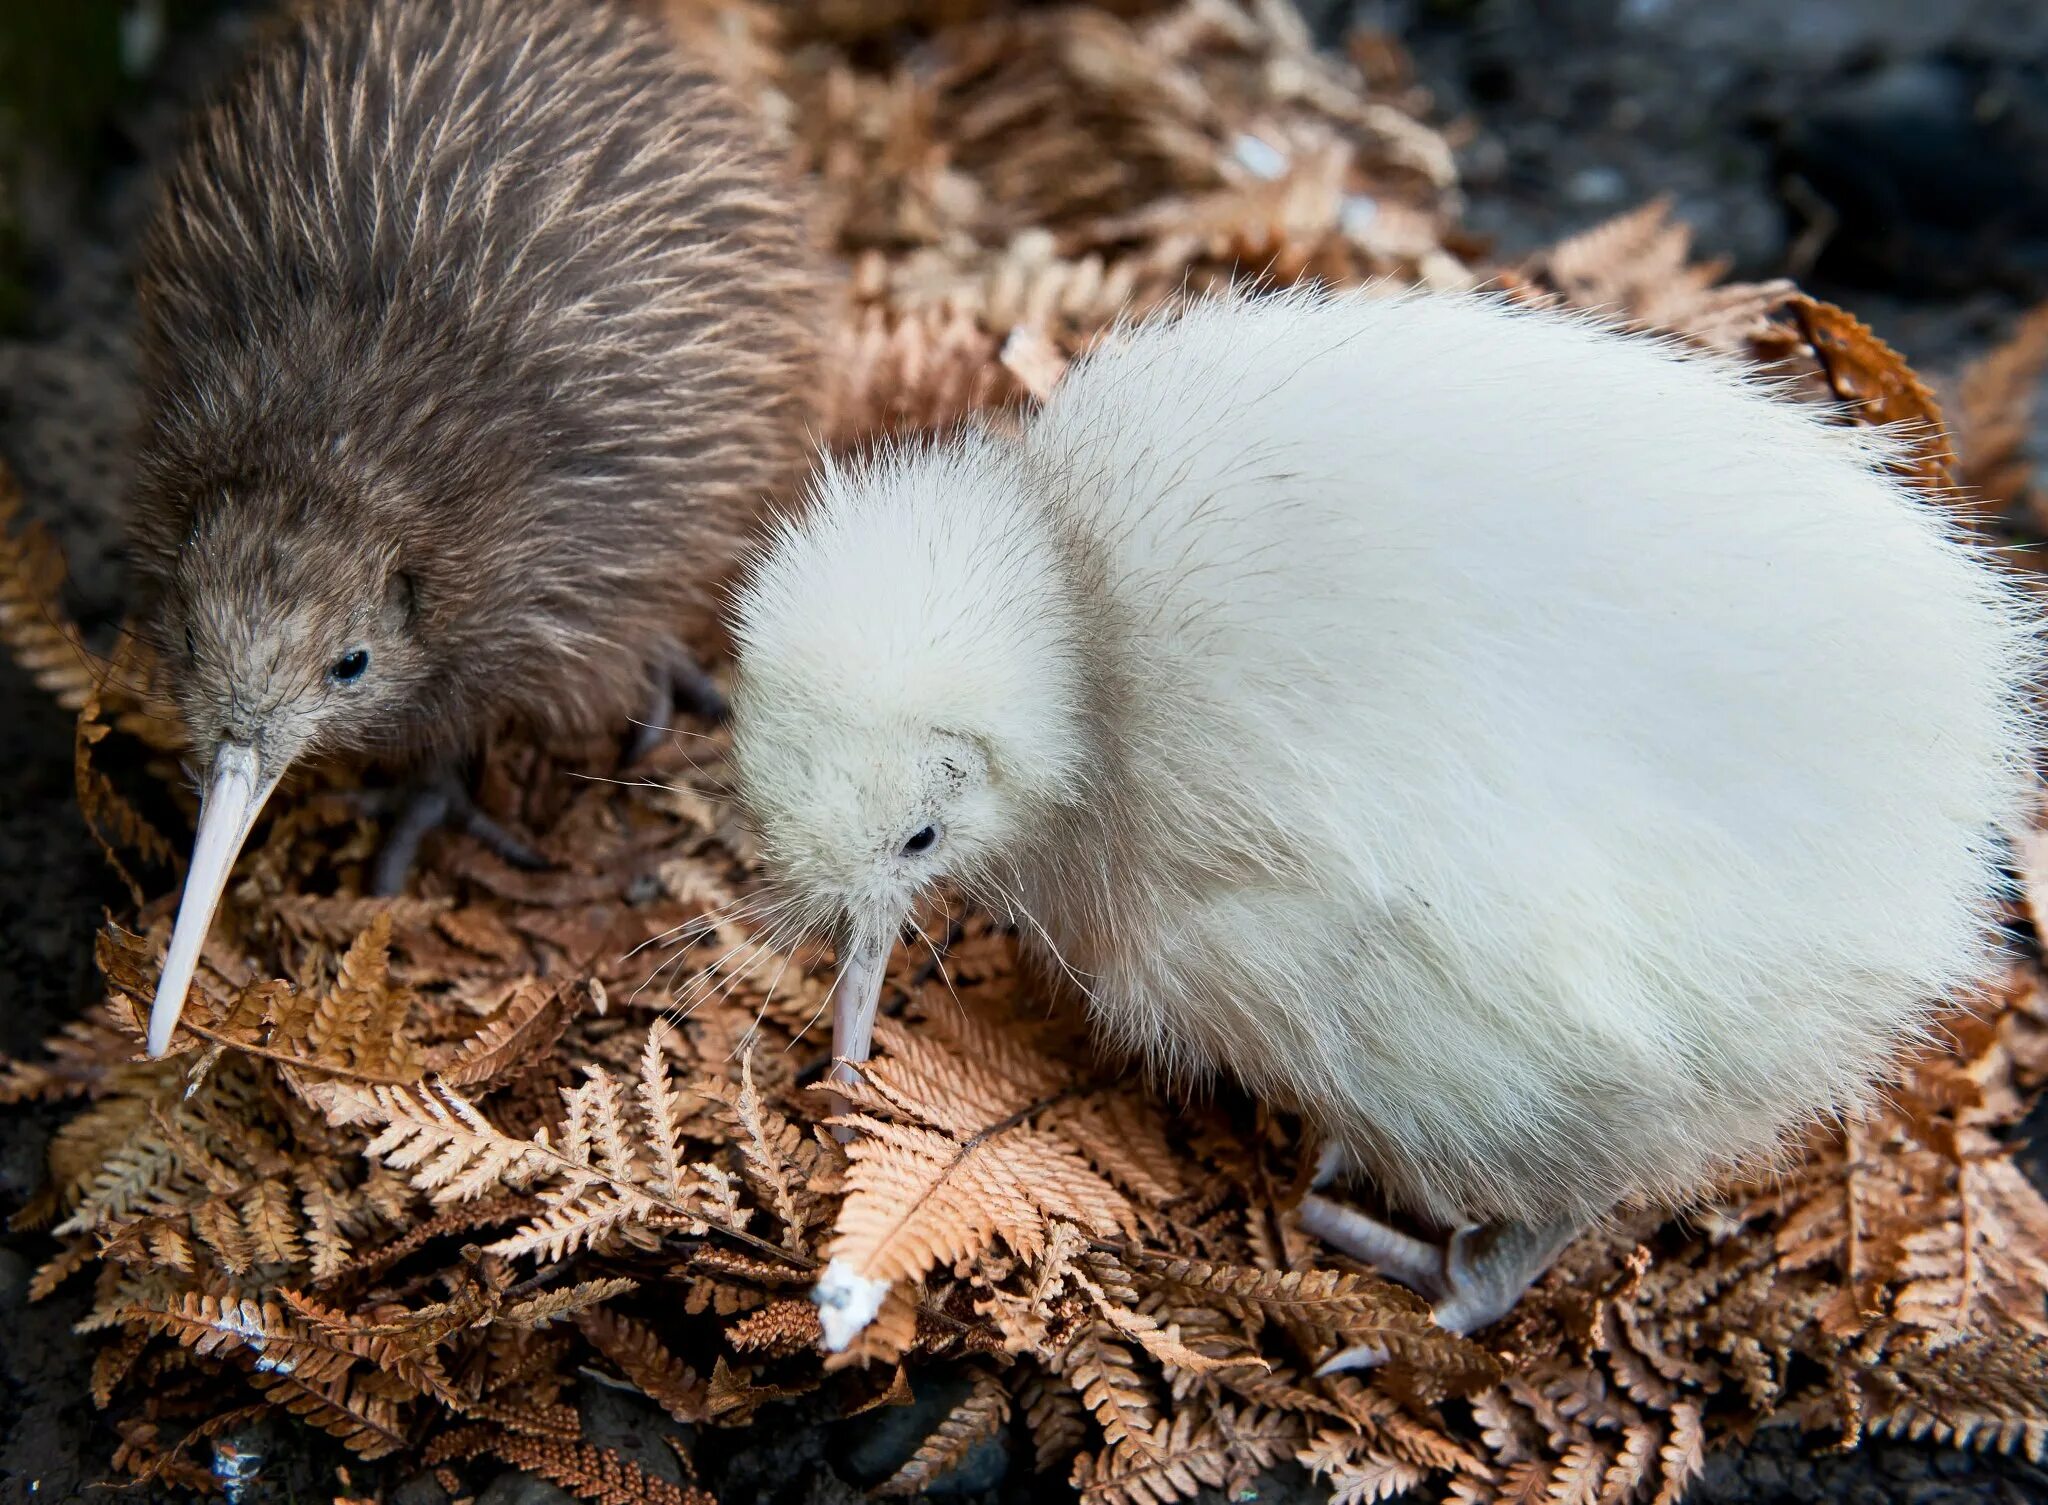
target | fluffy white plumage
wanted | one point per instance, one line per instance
(1552, 762)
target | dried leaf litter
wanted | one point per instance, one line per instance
(421, 1161)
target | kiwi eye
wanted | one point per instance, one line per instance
(350, 666)
(921, 842)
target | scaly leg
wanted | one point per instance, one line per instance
(1488, 1269)
(680, 684)
(1472, 1281)
(429, 804)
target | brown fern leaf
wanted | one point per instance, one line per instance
(661, 1106)
(591, 1473)
(220, 1227)
(481, 930)
(978, 1416)
(275, 1343)
(1162, 1340)
(779, 1161)
(1356, 1474)
(918, 1198)
(464, 1218)
(1052, 1410)
(1385, 1420)
(1984, 1267)
(325, 1214)
(1636, 1463)
(550, 1306)
(1638, 269)
(368, 1424)
(911, 371)
(451, 1149)
(1123, 1134)
(114, 822)
(1099, 1368)
(1994, 417)
(138, 1169)
(1988, 1392)
(33, 623)
(643, 1359)
(1878, 385)
(1579, 1475)
(530, 1024)
(777, 1329)
(408, 1358)
(1173, 1464)
(111, 1365)
(337, 919)
(732, 1398)
(1336, 1305)
(362, 1017)
(1684, 1453)
(272, 1224)
(588, 1218)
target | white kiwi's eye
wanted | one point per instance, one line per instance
(349, 668)
(923, 841)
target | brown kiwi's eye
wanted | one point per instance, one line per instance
(350, 667)
(923, 841)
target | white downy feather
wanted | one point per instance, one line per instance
(1554, 763)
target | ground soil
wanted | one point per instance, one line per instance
(1578, 108)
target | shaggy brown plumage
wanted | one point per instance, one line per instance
(477, 328)
(476, 336)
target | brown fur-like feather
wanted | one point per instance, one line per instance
(478, 332)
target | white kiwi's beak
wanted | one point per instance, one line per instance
(856, 995)
(235, 792)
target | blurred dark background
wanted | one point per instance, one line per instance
(1891, 154)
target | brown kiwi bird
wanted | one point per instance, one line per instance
(476, 337)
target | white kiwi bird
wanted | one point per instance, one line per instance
(1552, 762)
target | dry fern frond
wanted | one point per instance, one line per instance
(1994, 416)
(978, 1416)
(383, 1105)
(1356, 1474)
(941, 1190)
(368, 1423)
(38, 633)
(590, 1472)
(1874, 379)
(551, 1306)
(642, 1358)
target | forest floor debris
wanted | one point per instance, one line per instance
(424, 1165)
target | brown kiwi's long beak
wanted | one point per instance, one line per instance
(856, 995)
(236, 788)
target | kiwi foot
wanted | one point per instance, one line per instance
(1472, 1280)
(431, 804)
(681, 686)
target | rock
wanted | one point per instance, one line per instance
(633, 1427)
(23, 1163)
(1934, 172)
(872, 1446)
(779, 1460)
(422, 1489)
(15, 1274)
(1596, 186)
(522, 1489)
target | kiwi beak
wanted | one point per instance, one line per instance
(856, 996)
(237, 786)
